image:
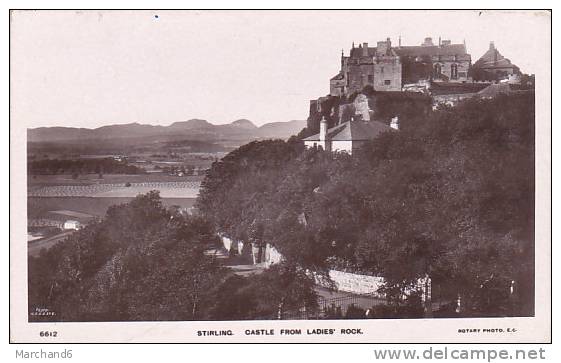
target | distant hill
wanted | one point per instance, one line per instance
(282, 128)
(244, 124)
(194, 129)
(190, 124)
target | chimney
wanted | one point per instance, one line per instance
(365, 49)
(381, 48)
(399, 44)
(323, 131)
(394, 124)
(439, 41)
(492, 47)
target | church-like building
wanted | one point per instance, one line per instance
(388, 68)
(493, 66)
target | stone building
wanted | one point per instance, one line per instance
(378, 67)
(445, 62)
(493, 66)
(389, 68)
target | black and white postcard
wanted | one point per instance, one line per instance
(280, 176)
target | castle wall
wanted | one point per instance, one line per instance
(387, 76)
(359, 76)
(372, 71)
(337, 87)
(356, 284)
(446, 70)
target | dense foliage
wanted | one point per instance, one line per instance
(141, 262)
(451, 198)
(269, 295)
(145, 262)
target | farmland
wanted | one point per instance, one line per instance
(183, 189)
(90, 179)
(52, 199)
(93, 195)
(38, 206)
(91, 185)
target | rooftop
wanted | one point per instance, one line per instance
(493, 59)
(433, 50)
(354, 130)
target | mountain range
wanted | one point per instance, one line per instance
(194, 129)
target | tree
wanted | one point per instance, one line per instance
(140, 262)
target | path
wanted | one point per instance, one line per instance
(34, 247)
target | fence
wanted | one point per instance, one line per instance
(346, 307)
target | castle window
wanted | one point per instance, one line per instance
(387, 82)
(382, 69)
(454, 71)
(370, 78)
(437, 70)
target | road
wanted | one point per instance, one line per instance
(35, 247)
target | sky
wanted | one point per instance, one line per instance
(94, 68)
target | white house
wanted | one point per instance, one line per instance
(71, 224)
(348, 136)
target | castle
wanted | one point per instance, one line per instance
(389, 68)
(345, 119)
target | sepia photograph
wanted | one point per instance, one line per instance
(321, 174)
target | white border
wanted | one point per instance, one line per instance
(419, 330)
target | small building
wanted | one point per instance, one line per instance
(71, 224)
(493, 66)
(347, 136)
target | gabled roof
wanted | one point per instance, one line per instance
(493, 59)
(354, 131)
(337, 77)
(434, 50)
(358, 52)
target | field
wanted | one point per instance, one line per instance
(38, 206)
(113, 186)
(167, 190)
(92, 195)
(90, 179)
